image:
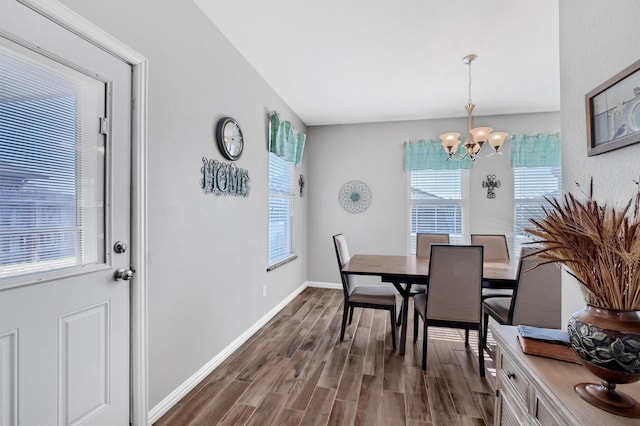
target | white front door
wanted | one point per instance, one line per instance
(65, 215)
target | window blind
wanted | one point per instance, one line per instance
(280, 208)
(51, 166)
(436, 203)
(530, 186)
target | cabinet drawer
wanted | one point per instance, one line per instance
(511, 375)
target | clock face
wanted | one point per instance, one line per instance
(233, 138)
(230, 140)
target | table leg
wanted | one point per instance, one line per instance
(403, 329)
(404, 292)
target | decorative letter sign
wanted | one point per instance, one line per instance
(224, 178)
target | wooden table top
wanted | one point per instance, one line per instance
(416, 269)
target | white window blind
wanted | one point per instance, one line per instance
(530, 186)
(436, 204)
(280, 209)
(51, 167)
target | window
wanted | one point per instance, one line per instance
(51, 168)
(530, 186)
(436, 204)
(280, 210)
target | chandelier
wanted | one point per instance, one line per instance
(477, 136)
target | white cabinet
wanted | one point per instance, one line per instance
(532, 390)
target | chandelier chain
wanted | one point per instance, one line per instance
(469, 100)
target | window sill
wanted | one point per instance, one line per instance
(282, 262)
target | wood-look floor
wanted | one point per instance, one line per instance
(295, 371)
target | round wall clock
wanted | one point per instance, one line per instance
(230, 139)
(355, 196)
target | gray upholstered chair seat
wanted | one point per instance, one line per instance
(498, 308)
(374, 294)
(420, 303)
(362, 296)
(496, 292)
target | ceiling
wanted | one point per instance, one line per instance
(358, 61)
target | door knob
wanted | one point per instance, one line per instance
(123, 274)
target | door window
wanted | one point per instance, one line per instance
(52, 165)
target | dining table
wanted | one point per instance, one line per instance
(405, 271)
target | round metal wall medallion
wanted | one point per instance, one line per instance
(355, 196)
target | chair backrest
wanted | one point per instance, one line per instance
(455, 283)
(536, 297)
(495, 246)
(342, 253)
(424, 241)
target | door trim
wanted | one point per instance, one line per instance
(83, 28)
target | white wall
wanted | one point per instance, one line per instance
(374, 153)
(207, 254)
(598, 39)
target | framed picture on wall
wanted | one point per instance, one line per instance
(613, 112)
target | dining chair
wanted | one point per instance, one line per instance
(454, 296)
(376, 296)
(536, 299)
(495, 246)
(424, 240)
(495, 250)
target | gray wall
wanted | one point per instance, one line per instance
(598, 39)
(374, 153)
(207, 254)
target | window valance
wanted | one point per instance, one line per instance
(284, 140)
(541, 150)
(429, 155)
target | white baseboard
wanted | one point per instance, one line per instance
(319, 284)
(165, 405)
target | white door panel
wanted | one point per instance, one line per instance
(64, 334)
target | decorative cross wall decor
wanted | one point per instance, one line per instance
(491, 183)
(301, 185)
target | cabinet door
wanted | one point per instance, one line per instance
(509, 412)
(543, 415)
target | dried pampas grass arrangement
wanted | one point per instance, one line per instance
(598, 244)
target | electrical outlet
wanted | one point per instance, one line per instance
(264, 290)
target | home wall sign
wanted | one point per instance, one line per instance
(224, 178)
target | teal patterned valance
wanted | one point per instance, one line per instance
(430, 155)
(284, 140)
(541, 150)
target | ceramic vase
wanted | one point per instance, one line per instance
(608, 344)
